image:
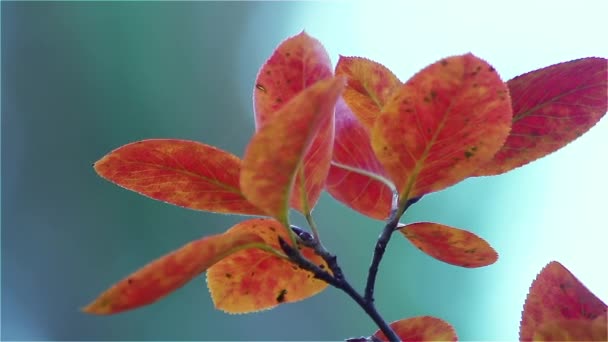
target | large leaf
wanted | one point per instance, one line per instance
(559, 306)
(442, 125)
(253, 280)
(185, 173)
(448, 244)
(276, 152)
(355, 188)
(551, 107)
(369, 86)
(170, 272)
(422, 328)
(296, 64)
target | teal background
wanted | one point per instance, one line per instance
(80, 79)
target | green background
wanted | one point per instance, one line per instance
(80, 79)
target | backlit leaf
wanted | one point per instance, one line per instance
(551, 107)
(253, 280)
(574, 330)
(276, 152)
(442, 125)
(181, 172)
(352, 147)
(557, 296)
(170, 272)
(296, 64)
(369, 86)
(448, 244)
(422, 328)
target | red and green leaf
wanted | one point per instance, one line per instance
(557, 297)
(275, 154)
(369, 86)
(451, 245)
(170, 272)
(253, 279)
(181, 172)
(551, 107)
(357, 190)
(296, 64)
(422, 328)
(442, 125)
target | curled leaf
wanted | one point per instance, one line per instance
(451, 245)
(369, 86)
(559, 306)
(276, 152)
(253, 279)
(442, 125)
(170, 272)
(422, 328)
(181, 172)
(551, 107)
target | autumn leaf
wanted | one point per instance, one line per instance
(451, 245)
(556, 296)
(181, 172)
(170, 272)
(442, 125)
(551, 107)
(296, 64)
(422, 328)
(352, 185)
(253, 280)
(276, 152)
(369, 86)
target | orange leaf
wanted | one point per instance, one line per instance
(442, 125)
(551, 107)
(574, 330)
(369, 86)
(253, 280)
(181, 172)
(557, 296)
(352, 148)
(452, 245)
(276, 152)
(296, 64)
(422, 328)
(170, 272)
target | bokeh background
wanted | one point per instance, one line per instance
(80, 79)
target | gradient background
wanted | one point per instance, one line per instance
(80, 79)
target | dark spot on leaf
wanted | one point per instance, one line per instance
(281, 296)
(130, 281)
(475, 85)
(273, 229)
(287, 54)
(427, 99)
(279, 100)
(433, 94)
(294, 267)
(444, 62)
(468, 154)
(428, 131)
(470, 250)
(228, 275)
(409, 110)
(252, 274)
(260, 87)
(491, 69)
(268, 72)
(322, 266)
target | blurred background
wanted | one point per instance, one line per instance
(80, 79)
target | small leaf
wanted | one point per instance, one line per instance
(369, 86)
(296, 64)
(442, 125)
(170, 272)
(276, 152)
(557, 296)
(181, 172)
(551, 107)
(451, 245)
(422, 328)
(254, 279)
(352, 148)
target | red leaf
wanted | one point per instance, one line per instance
(185, 173)
(352, 148)
(369, 86)
(253, 279)
(296, 64)
(276, 152)
(551, 107)
(170, 272)
(452, 245)
(574, 330)
(422, 328)
(442, 125)
(557, 296)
